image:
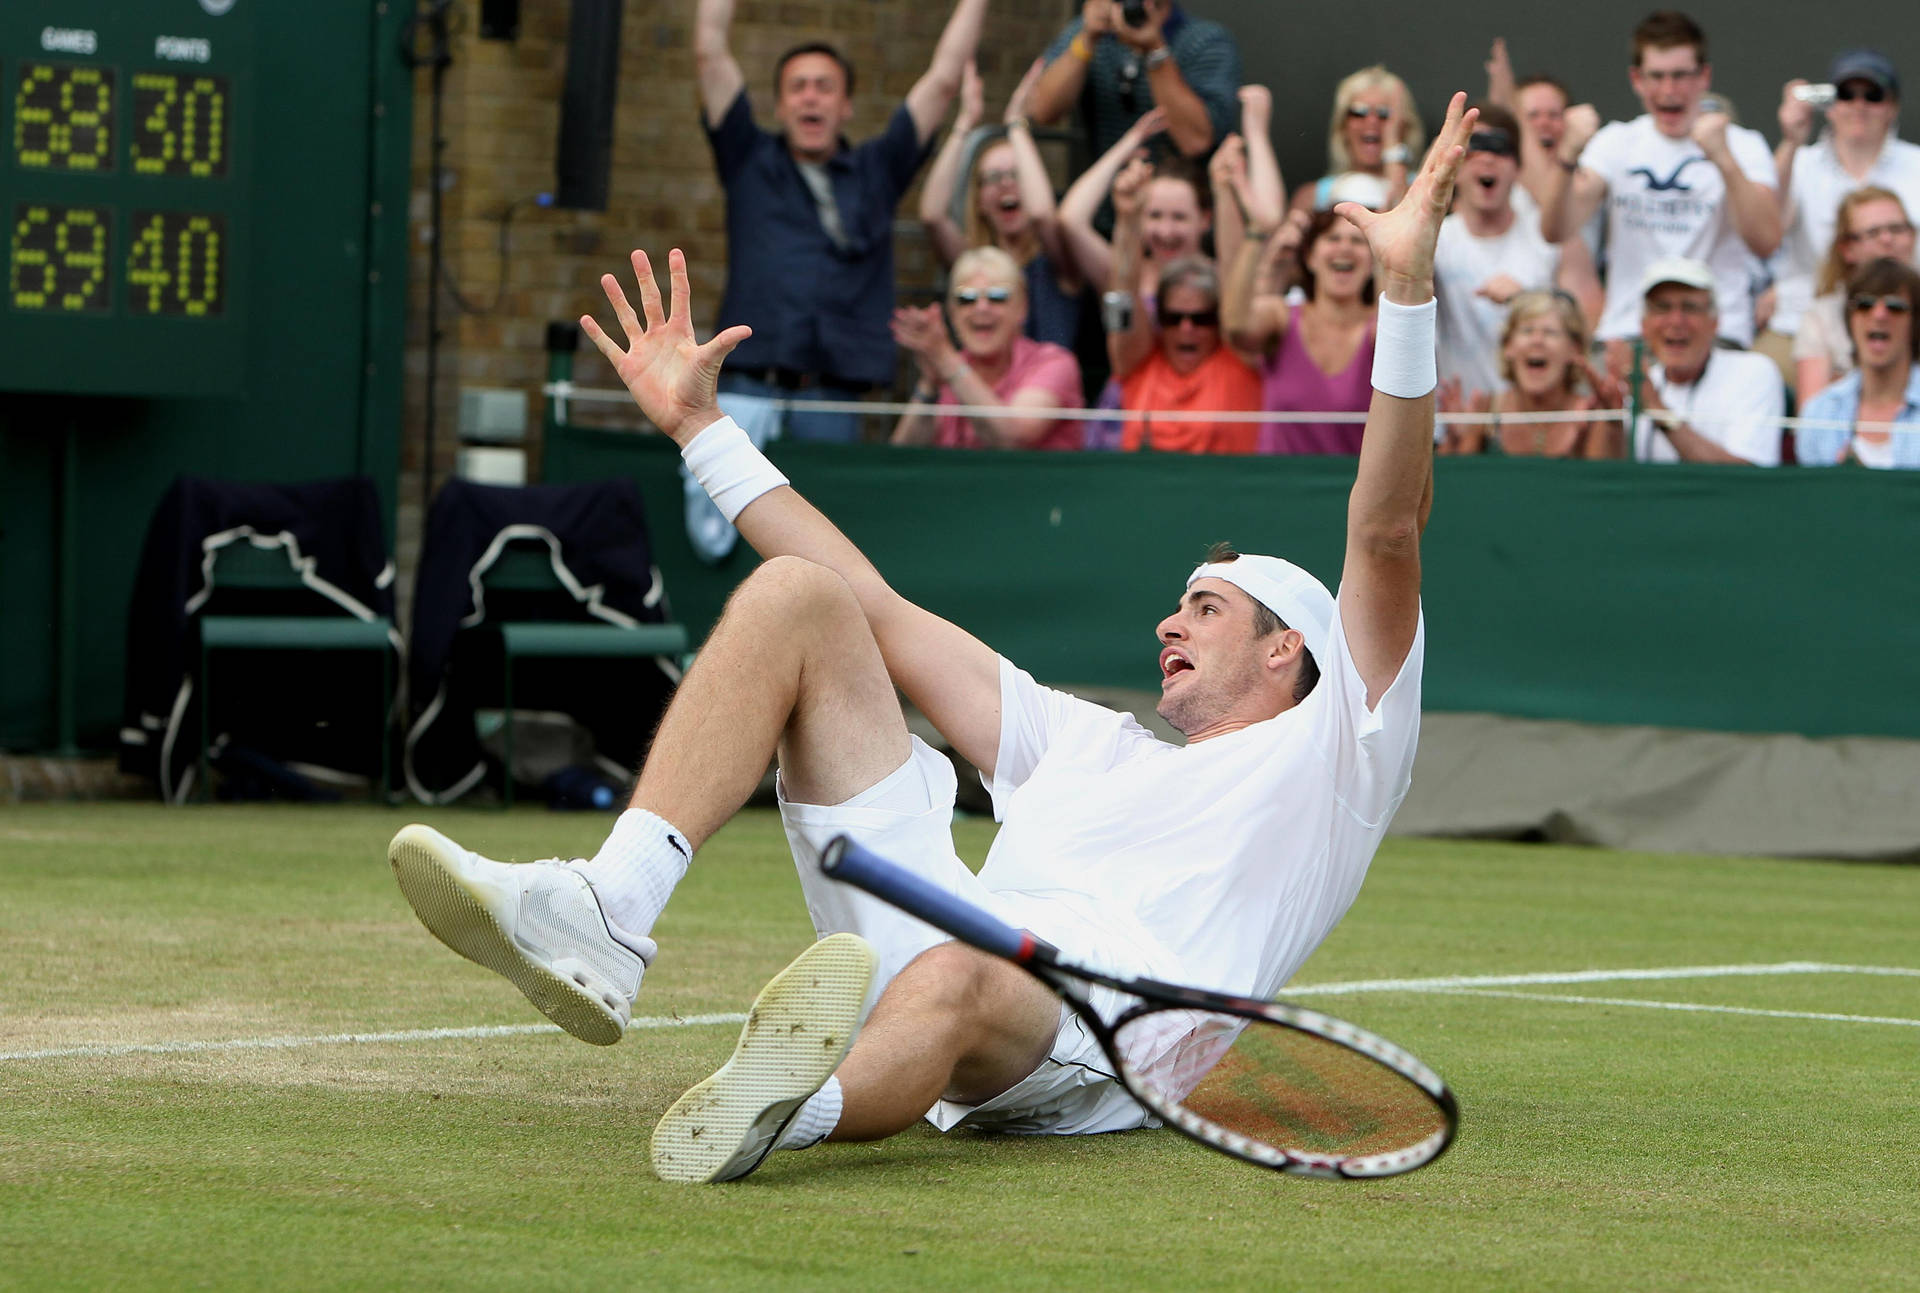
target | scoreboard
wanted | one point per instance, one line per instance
(124, 195)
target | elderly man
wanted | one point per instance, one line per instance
(1677, 181)
(1720, 405)
(810, 216)
(1117, 71)
(1222, 862)
(1859, 149)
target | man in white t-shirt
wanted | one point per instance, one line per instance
(1223, 862)
(1725, 405)
(1676, 181)
(1488, 254)
(1858, 150)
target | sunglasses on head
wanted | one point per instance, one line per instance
(1895, 304)
(1198, 318)
(1870, 92)
(1361, 111)
(973, 295)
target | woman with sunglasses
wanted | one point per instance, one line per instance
(1009, 205)
(1870, 223)
(1873, 413)
(1543, 364)
(1374, 137)
(1176, 361)
(1859, 148)
(994, 364)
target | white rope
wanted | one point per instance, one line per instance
(562, 392)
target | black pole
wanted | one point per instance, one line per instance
(439, 58)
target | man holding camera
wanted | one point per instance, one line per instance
(1121, 58)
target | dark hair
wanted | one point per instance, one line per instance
(1265, 622)
(1886, 277)
(1668, 29)
(1189, 172)
(1495, 117)
(1554, 82)
(812, 47)
(1317, 228)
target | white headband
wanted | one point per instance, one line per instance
(1301, 601)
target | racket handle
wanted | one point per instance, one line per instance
(864, 869)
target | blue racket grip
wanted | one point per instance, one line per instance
(864, 869)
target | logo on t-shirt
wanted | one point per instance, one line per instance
(1672, 183)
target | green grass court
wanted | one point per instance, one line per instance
(184, 1105)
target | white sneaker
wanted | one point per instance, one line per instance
(537, 923)
(799, 1029)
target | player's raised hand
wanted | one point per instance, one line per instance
(671, 377)
(1403, 238)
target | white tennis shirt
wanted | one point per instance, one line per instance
(1225, 863)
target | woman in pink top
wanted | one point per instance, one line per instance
(993, 365)
(1318, 356)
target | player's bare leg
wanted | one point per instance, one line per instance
(791, 666)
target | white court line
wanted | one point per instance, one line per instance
(1585, 976)
(1677, 1005)
(1456, 984)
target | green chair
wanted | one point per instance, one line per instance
(526, 566)
(242, 565)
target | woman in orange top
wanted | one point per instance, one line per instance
(1185, 366)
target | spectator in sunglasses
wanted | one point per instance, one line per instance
(1176, 360)
(1883, 388)
(994, 364)
(1859, 149)
(1870, 223)
(1374, 137)
(1487, 256)
(1316, 356)
(1544, 368)
(1116, 71)
(1008, 204)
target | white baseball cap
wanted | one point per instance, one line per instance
(1301, 601)
(1683, 270)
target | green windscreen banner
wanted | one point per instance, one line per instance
(1715, 598)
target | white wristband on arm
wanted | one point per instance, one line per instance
(729, 467)
(1403, 362)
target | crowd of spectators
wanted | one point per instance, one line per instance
(1673, 265)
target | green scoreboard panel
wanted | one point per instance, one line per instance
(124, 195)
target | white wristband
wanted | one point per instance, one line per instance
(1403, 363)
(729, 467)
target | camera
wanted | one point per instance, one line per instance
(1820, 96)
(1134, 12)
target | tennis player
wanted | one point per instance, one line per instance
(1222, 863)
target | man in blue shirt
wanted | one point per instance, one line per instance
(810, 216)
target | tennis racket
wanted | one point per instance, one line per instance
(1270, 1084)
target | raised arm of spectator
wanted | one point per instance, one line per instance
(943, 177)
(1128, 349)
(1755, 208)
(1092, 253)
(1197, 98)
(1574, 193)
(1579, 278)
(951, 675)
(1393, 485)
(1500, 79)
(933, 93)
(1253, 320)
(1797, 120)
(1036, 184)
(1065, 77)
(1250, 154)
(719, 75)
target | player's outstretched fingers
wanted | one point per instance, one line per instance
(722, 345)
(677, 276)
(602, 342)
(649, 289)
(622, 311)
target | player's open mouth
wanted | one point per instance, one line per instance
(1173, 662)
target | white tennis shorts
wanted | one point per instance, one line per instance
(907, 818)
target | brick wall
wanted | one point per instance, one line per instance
(501, 119)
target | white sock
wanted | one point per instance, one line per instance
(815, 1121)
(635, 871)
